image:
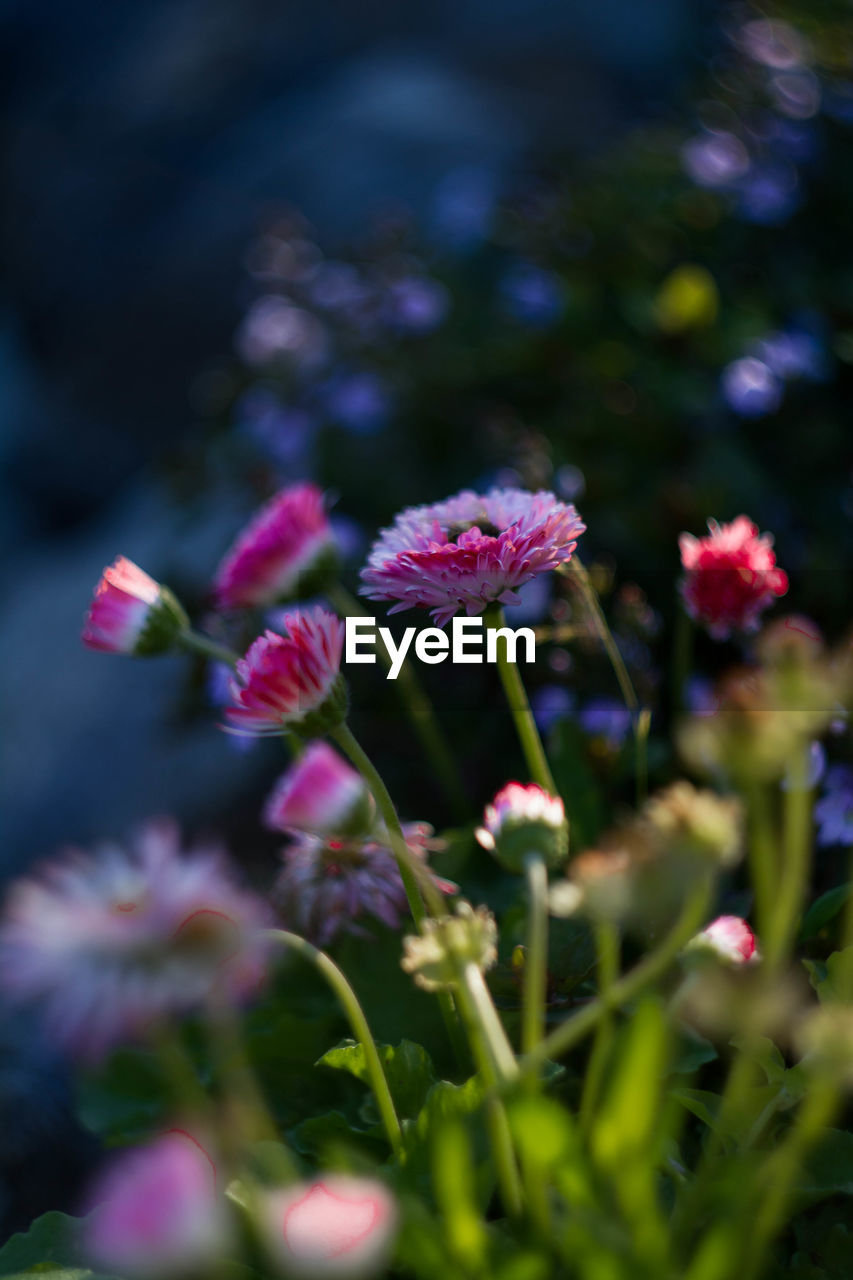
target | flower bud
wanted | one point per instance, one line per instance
(447, 942)
(337, 1226)
(522, 821)
(322, 794)
(132, 614)
(729, 938)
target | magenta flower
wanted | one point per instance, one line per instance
(320, 793)
(730, 937)
(106, 944)
(328, 886)
(131, 613)
(292, 681)
(157, 1211)
(470, 551)
(730, 576)
(337, 1226)
(283, 553)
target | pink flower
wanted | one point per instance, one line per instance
(292, 681)
(730, 938)
(338, 1226)
(131, 613)
(470, 551)
(320, 792)
(524, 820)
(281, 554)
(731, 576)
(158, 1211)
(327, 886)
(105, 944)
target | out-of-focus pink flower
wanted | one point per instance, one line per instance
(105, 944)
(469, 551)
(320, 792)
(730, 576)
(284, 552)
(338, 1226)
(730, 937)
(328, 886)
(524, 820)
(158, 1211)
(131, 613)
(292, 680)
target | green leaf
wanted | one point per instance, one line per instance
(824, 909)
(764, 1053)
(123, 1100)
(51, 1248)
(828, 1170)
(315, 1136)
(408, 1069)
(833, 981)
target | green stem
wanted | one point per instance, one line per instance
(649, 969)
(525, 725)
(762, 856)
(641, 741)
(482, 1007)
(535, 963)
(419, 709)
(417, 881)
(360, 1028)
(195, 642)
(793, 882)
(607, 940)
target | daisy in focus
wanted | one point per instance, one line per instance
(283, 553)
(108, 943)
(292, 681)
(730, 576)
(470, 551)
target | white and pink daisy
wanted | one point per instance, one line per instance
(106, 944)
(730, 938)
(524, 820)
(470, 551)
(337, 1226)
(283, 553)
(292, 681)
(321, 793)
(328, 886)
(131, 613)
(157, 1211)
(730, 576)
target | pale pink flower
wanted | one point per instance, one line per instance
(730, 576)
(470, 551)
(281, 554)
(292, 680)
(329, 886)
(157, 1211)
(320, 792)
(730, 937)
(337, 1226)
(524, 820)
(131, 613)
(107, 943)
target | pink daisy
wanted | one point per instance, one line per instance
(327, 886)
(730, 937)
(292, 681)
(470, 551)
(338, 1226)
(107, 943)
(131, 613)
(522, 820)
(730, 576)
(281, 554)
(320, 792)
(157, 1211)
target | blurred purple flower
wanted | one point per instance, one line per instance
(793, 353)
(751, 388)
(531, 295)
(834, 811)
(417, 304)
(275, 329)
(359, 402)
(715, 159)
(284, 432)
(606, 718)
(462, 207)
(551, 704)
(699, 696)
(768, 195)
